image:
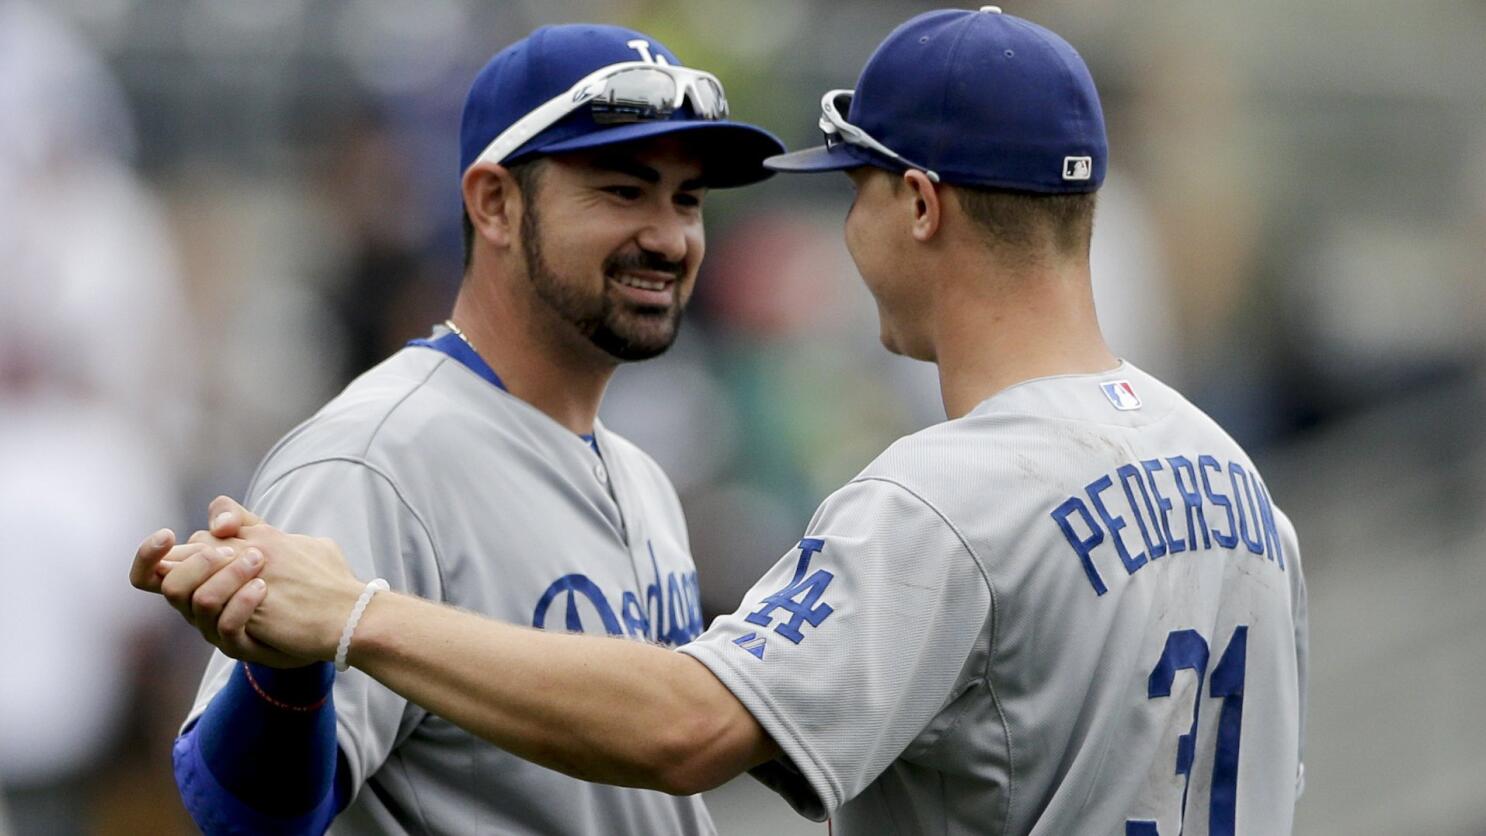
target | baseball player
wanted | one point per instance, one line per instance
(1071, 608)
(470, 467)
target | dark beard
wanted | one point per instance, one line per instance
(612, 331)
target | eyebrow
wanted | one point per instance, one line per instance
(638, 170)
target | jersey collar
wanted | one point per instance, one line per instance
(451, 344)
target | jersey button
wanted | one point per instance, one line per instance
(600, 471)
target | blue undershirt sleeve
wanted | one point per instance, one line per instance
(263, 758)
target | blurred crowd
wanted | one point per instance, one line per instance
(213, 215)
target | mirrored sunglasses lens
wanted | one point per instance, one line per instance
(635, 95)
(708, 100)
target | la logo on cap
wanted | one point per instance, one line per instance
(1078, 168)
(1121, 394)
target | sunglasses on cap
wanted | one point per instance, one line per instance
(630, 91)
(837, 130)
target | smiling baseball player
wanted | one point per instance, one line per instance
(1072, 608)
(453, 468)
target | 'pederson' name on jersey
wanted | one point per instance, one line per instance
(1176, 504)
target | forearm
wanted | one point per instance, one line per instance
(600, 709)
(263, 756)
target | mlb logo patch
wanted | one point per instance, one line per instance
(1121, 394)
(1078, 168)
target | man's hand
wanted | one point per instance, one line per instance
(294, 600)
(159, 554)
(308, 595)
(211, 581)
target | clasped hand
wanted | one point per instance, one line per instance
(255, 592)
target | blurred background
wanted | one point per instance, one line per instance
(213, 215)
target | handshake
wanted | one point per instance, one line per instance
(256, 593)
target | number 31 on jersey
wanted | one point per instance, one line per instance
(1188, 650)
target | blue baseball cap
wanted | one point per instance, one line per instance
(980, 98)
(552, 59)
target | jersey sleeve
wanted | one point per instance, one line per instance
(853, 642)
(1300, 615)
(359, 507)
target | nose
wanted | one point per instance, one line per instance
(667, 234)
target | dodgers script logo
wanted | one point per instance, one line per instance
(800, 599)
(671, 613)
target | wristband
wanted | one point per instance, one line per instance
(344, 648)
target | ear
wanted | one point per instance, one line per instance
(926, 204)
(493, 202)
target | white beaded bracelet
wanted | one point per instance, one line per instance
(344, 648)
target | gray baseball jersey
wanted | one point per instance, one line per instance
(455, 490)
(1075, 610)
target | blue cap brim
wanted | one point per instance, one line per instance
(733, 152)
(820, 158)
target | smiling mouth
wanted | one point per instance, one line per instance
(630, 280)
